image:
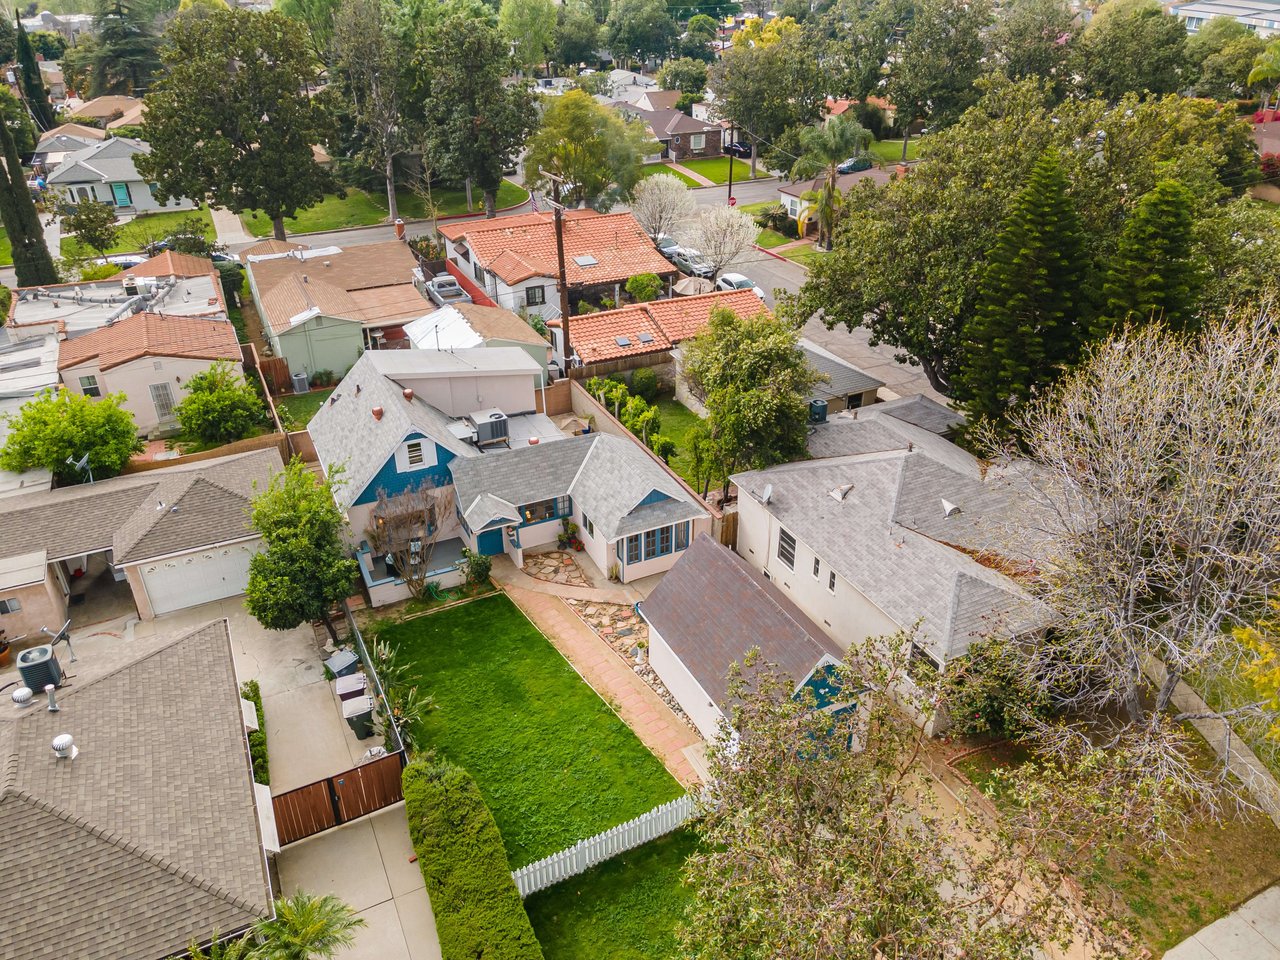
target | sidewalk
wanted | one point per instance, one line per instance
(697, 178)
(1251, 933)
(642, 709)
(229, 228)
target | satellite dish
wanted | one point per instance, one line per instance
(79, 464)
(767, 493)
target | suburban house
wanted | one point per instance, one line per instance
(130, 117)
(887, 527)
(58, 143)
(28, 367)
(679, 136)
(845, 387)
(151, 542)
(1259, 16)
(838, 108)
(513, 260)
(102, 110)
(466, 420)
(710, 612)
(792, 193)
(464, 325)
(150, 358)
(105, 172)
(321, 308)
(133, 825)
(644, 333)
(71, 26)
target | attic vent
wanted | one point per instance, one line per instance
(646, 338)
(622, 341)
(841, 492)
(949, 509)
(585, 260)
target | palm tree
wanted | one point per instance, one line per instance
(822, 150)
(306, 927)
(240, 949)
(1266, 69)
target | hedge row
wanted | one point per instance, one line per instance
(257, 738)
(478, 910)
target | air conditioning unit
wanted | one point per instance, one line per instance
(817, 411)
(39, 668)
(300, 384)
(491, 426)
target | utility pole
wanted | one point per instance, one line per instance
(558, 207)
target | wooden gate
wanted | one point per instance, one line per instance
(275, 370)
(339, 799)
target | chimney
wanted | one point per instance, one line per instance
(408, 394)
(53, 698)
(377, 413)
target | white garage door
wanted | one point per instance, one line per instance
(195, 578)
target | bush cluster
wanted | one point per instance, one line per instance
(632, 408)
(478, 910)
(988, 691)
(257, 738)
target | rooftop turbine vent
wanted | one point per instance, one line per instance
(22, 696)
(64, 747)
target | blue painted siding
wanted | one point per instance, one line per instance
(393, 482)
(655, 496)
(490, 543)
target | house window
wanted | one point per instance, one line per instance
(664, 541)
(589, 526)
(413, 453)
(698, 141)
(162, 397)
(545, 510)
(922, 666)
(682, 535)
(831, 581)
(787, 549)
(89, 387)
(633, 548)
(650, 544)
(853, 401)
(535, 296)
(478, 271)
(10, 606)
(817, 567)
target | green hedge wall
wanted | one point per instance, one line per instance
(257, 738)
(478, 910)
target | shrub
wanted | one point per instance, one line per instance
(257, 738)
(773, 217)
(987, 691)
(98, 271)
(644, 383)
(644, 287)
(322, 378)
(1270, 166)
(220, 406)
(478, 910)
(478, 566)
(664, 447)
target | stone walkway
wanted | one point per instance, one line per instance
(555, 566)
(506, 574)
(697, 178)
(640, 707)
(1251, 933)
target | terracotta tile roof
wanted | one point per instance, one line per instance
(267, 248)
(683, 317)
(152, 335)
(170, 264)
(74, 130)
(524, 246)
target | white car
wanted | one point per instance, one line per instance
(736, 281)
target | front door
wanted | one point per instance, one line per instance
(121, 193)
(162, 397)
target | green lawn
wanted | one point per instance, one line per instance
(140, 231)
(771, 238)
(652, 169)
(301, 407)
(360, 208)
(6, 250)
(625, 909)
(716, 169)
(805, 255)
(890, 151)
(555, 764)
(677, 421)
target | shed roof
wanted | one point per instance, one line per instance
(843, 378)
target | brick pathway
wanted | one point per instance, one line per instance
(642, 709)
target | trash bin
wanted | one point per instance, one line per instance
(352, 685)
(343, 663)
(358, 712)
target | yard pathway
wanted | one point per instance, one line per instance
(695, 177)
(506, 574)
(640, 708)
(228, 227)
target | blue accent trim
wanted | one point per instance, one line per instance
(391, 480)
(489, 543)
(654, 496)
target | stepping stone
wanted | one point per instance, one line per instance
(625, 632)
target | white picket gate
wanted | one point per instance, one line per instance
(585, 854)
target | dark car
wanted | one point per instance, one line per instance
(667, 246)
(854, 164)
(739, 149)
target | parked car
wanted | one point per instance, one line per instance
(667, 246)
(739, 149)
(444, 290)
(854, 164)
(217, 256)
(690, 261)
(122, 260)
(736, 281)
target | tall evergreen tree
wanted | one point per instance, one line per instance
(126, 56)
(32, 261)
(33, 90)
(1154, 275)
(1030, 319)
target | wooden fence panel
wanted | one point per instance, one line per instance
(275, 370)
(367, 788)
(302, 812)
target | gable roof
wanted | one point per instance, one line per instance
(524, 246)
(62, 143)
(108, 161)
(296, 299)
(78, 130)
(843, 378)
(658, 100)
(102, 108)
(269, 247)
(712, 608)
(130, 117)
(150, 834)
(465, 325)
(152, 335)
(171, 264)
(121, 513)
(666, 122)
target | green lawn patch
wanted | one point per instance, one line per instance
(142, 230)
(1224, 686)
(890, 151)
(771, 238)
(299, 408)
(554, 763)
(677, 421)
(6, 250)
(716, 169)
(652, 169)
(806, 254)
(627, 908)
(452, 201)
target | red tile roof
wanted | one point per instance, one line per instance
(152, 335)
(683, 317)
(170, 264)
(517, 248)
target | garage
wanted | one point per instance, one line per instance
(190, 579)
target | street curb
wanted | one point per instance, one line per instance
(778, 256)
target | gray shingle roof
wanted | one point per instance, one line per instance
(489, 486)
(843, 378)
(110, 160)
(150, 835)
(212, 500)
(923, 412)
(712, 608)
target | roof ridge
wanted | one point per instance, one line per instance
(180, 482)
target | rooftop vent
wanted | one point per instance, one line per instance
(22, 696)
(64, 747)
(949, 509)
(585, 260)
(622, 341)
(377, 413)
(841, 492)
(408, 394)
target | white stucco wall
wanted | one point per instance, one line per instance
(459, 396)
(706, 716)
(647, 568)
(140, 198)
(134, 380)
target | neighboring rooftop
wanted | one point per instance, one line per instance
(464, 325)
(77, 308)
(923, 412)
(798, 188)
(77, 130)
(843, 378)
(269, 248)
(153, 335)
(110, 161)
(105, 108)
(171, 264)
(150, 834)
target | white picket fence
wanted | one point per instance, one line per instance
(585, 854)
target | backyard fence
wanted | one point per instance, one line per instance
(338, 799)
(585, 854)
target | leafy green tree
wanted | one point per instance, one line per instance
(1031, 318)
(700, 33)
(249, 148)
(852, 41)
(644, 287)
(306, 927)
(1220, 55)
(8, 41)
(220, 406)
(686, 75)
(754, 381)
(94, 225)
(32, 262)
(57, 428)
(577, 34)
(530, 27)
(596, 152)
(317, 16)
(18, 119)
(822, 149)
(1132, 46)
(639, 30)
(1155, 274)
(474, 122)
(32, 83)
(1266, 70)
(47, 44)
(305, 568)
(191, 236)
(126, 54)
(1036, 38)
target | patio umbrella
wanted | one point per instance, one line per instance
(693, 285)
